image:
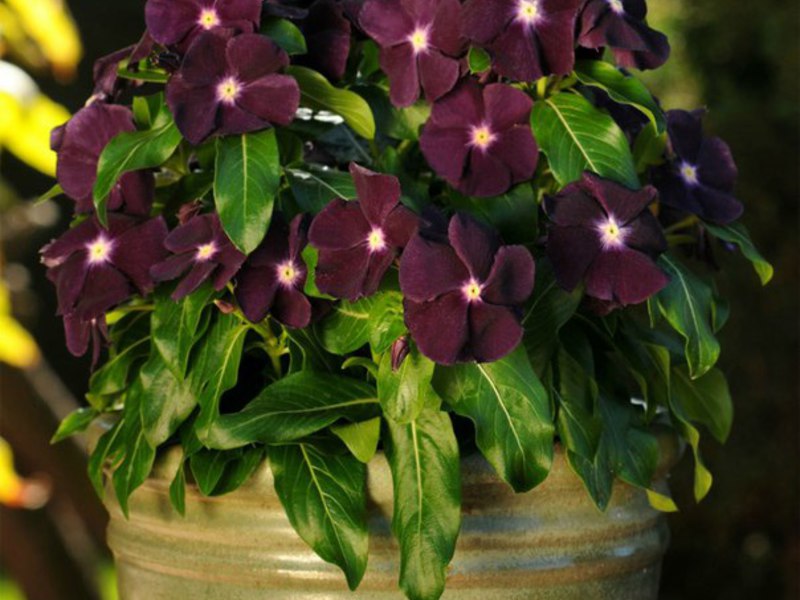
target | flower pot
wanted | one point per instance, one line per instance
(551, 543)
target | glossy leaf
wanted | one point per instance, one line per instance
(687, 304)
(706, 400)
(75, 422)
(294, 407)
(360, 438)
(177, 489)
(377, 320)
(736, 233)
(512, 415)
(326, 501)
(578, 137)
(247, 177)
(310, 257)
(139, 455)
(404, 393)
(284, 33)
(423, 456)
(166, 401)
(175, 326)
(478, 60)
(317, 93)
(112, 378)
(315, 187)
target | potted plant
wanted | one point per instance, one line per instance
(358, 265)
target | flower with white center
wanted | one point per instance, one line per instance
(419, 40)
(616, 6)
(472, 290)
(528, 11)
(206, 252)
(611, 233)
(287, 274)
(376, 240)
(482, 137)
(99, 250)
(208, 18)
(228, 90)
(689, 174)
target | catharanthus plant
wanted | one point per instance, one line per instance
(463, 224)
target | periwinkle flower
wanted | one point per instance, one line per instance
(94, 269)
(527, 39)
(173, 22)
(463, 290)
(603, 233)
(479, 139)
(79, 333)
(421, 45)
(701, 177)
(620, 25)
(359, 239)
(78, 145)
(272, 279)
(200, 251)
(230, 85)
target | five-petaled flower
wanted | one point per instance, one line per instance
(620, 25)
(230, 85)
(603, 233)
(95, 269)
(201, 251)
(701, 177)
(172, 22)
(272, 279)
(479, 139)
(462, 290)
(421, 45)
(78, 145)
(527, 39)
(358, 240)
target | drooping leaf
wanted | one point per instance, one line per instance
(386, 321)
(175, 326)
(325, 499)
(294, 407)
(315, 187)
(404, 393)
(107, 448)
(113, 377)
(239, 469)
(512, 415)
(686, 303)
(74, 423)
(736, 233)
(317, 93)
(622, 88)
(284, 33)
(423, 456)
(578, 137)
(139, 456)
(166, 401)
(247, 177)
(177, 489)
(579, 425)
(706, 400)
(360, 438)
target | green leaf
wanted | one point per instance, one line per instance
(166, 401)
(686, 303)
(578, 425)
(247, 177)
(512, 415)
(132, 151)
(736, 233)
(207, 468)
(315, 187)
(326, 501)
(622, 88)
(294, 407)
(404, 393)
(423, 457)
(139, 455)
(386, 321)
(175, 326)
(578, 137)
(360, 438)
(108, 447)
(239, 469)
(347, 328)
(310, 257)
(398, 123)
(649, 148)
(112, 378)
(478, 60)
(706, 400)
(75, 422)
(285, 34)
(317, 93)
(53, 192)
(515, 214)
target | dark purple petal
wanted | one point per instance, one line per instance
(715, 165)
(625, 276)
(78, 333)
(229, 261)
(516, 54)
(506, 106)
(378, 194)
(205, 62)
(618, 201)
(486, 175)
(446, 150)
(69, 278)
(475, 244)
(400, 65)
(169, 21)
(341, 273)
(274, 98)
(292, 308)
(194, 108)
(438, 74)
(399, 226)
(494, 331)
(429, 269)
(252, 56)
(440, 327)
(233, 120)
(138, 249)
(445, 34)
(483, 20)
(196, 231)
(198, 274)
(462, 108)
(517, 149)
(686, 133)
(645, 234)
(572, 250)
(255, 291)
(386, 22)
(172, 267)
(340, 225)
(379, 263)
(104, 288)
(510, 281)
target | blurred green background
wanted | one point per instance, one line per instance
(737, 57)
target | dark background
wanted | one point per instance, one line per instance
(739, 58)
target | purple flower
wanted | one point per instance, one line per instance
(420, 44)
(480, 140)
(201, 251)
(79, 334)
(701, 177)
(462, 291)
(94, 269)
(603, 233)
(229, 85)
(273, 277)
(358, 240)
(107, 83)
(327, 34)
(78, 145)
(180, 21)
(527, 39)
(620, 25)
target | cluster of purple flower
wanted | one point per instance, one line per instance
(463, 289)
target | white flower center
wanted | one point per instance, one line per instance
(689, 174)
(482, 137)
(205, 252)
(419, 40)
(208, 19)
(612, 235)
(228, 90)
(472, 290)
(287, 273)
(616, 6)
(99, 250)
(528, 11)
(376, 240)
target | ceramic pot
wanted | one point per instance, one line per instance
(551, 543)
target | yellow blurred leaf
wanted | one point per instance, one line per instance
(17, 347)
(16, 491)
